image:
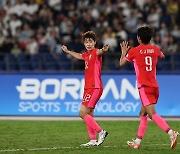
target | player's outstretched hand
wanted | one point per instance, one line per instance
(124, 47)
(64, 48)
(105, 47)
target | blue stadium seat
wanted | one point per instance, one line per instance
(25, 66)
(23, 58)
(43, 49)
(164, 66)
(1, 57)
(52, 66)
(10, 58)
(13, 66)
(36, 66)
(176, 57)
(36, 62)
(11, 62)
(177, 66)
(36, 58)
(2, 66)
(49, 58)
(65, 63)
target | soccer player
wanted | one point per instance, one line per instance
(93, 85)
(145, 58)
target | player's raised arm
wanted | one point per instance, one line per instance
(72, 53)
(124, 48)
(162, 56)
(103, 50)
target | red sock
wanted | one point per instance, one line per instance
(91, 132)
(160, 122)
(89, 120)
(142, 126)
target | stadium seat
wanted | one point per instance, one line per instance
(1, 57)
(11, 62)
(177, 66)
(64, 62)
(23, 58)
(49, 57)
(2, 66)
(25, 66)
(176, 57)
(36, 62)
(36, 58)
(43, 49)
(10, 58)
(2, 63)
(36, 66)
(164, 66)
(12, 66)
(52, 66)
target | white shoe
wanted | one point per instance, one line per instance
(102, 135)
(90, 143)
(133, 144)
(173, 138)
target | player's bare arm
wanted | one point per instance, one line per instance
(124, 48)
(103, 50)
(163, 56)
(72, 53)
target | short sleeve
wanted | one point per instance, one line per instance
(83, 55)
(159, 52)
(130, 55)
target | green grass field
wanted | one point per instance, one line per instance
(59, 137)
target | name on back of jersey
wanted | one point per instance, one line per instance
(146, 51)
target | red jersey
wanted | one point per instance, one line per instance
(145, 60)
(93, 65)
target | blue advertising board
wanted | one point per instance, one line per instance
(61, 95)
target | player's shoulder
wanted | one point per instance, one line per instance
(154, 46)
(133, 50)
(94, 51)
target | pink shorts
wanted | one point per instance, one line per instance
(148, 95)
(91, 97)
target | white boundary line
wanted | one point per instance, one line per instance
(76, 118)
(61, 148)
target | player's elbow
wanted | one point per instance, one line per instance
(122, 63)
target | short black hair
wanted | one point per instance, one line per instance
(89, 34)
(145, 33)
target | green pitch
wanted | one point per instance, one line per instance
(59, 137)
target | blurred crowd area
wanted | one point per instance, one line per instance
(32, 31)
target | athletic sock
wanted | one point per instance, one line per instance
(91, 132)
(160, 122)
(170, 132)
(142, 126)
(89, 120)
(138, 141)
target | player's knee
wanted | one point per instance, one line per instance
(142, 113)
(151, 113)
(82, 114)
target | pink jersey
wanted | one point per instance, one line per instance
(145, 60)
(93, 65)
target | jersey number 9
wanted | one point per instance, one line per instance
(148, 61)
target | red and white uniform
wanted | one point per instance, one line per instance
(145, 59)
(93, 84)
